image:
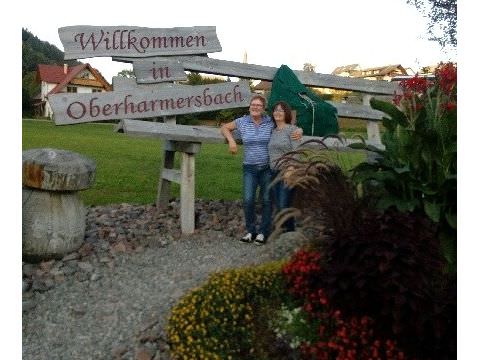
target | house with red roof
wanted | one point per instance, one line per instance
(55, 79)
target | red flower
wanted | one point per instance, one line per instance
(417, 84)
(397, 99)
(447, 77)
(450, 106)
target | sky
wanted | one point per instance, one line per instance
(326, 34)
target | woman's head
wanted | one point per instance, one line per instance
(282, 112)
(257, 105)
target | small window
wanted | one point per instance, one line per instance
(71, 89)
(85, 75)
(96, 90)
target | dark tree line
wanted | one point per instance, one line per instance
(34, 52)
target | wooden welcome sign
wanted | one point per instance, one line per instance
(90, 41)
(143, 46)
(75, 108)
(158, 70)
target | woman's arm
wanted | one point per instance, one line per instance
(226, 131)
(297, 134)
(296, 137)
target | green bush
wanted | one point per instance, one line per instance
(219, 320)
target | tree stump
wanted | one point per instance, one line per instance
(54, 217)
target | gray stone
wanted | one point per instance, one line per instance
(286, 244)
(85, 266)
(118, 351)
(95, 277)
(28, 269)
(28, 305)
(70, 269)
(39, 285)
(25, 285)
(72, 256)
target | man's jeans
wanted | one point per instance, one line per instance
(257, 176)
(283, 199)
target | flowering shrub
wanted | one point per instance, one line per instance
(217, 320)
(352, 339)
(334, 336)
(417, 171)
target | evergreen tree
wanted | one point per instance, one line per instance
(34, 52)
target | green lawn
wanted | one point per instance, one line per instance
(128, 168)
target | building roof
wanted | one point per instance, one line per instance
(345, 68)
(263, 85)
(55, 74)
(385, 70)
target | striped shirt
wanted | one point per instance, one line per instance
(255, 139)
(281, 142)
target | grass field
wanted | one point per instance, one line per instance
(128, 168)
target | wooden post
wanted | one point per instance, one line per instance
(170, 119)
(373, 131)
(187, 193)
(163, 192)
(185, 177)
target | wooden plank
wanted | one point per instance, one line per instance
(163, 191)
(174, 132)
(182, 146)
(202, 134)
(158, 70)
(362, 112)
(69, 108)
(121, 83)
(333, 143)
(187, 194)
(260, 72)
(373, 130)
(172, 175)
(84, 41)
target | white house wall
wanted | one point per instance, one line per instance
(48, 110)
(46, 88)
(84, 90)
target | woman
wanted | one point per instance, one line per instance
(255, 130)
(280, 143)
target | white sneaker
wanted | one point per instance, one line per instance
(260, 239)
(248, 238)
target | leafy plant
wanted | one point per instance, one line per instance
(417, 170)
(294, 326)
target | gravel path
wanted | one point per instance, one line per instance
(111, 298)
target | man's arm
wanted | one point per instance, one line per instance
(226, 131)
